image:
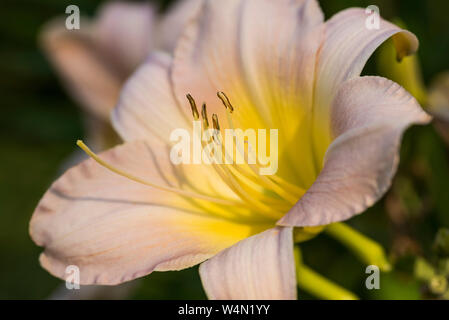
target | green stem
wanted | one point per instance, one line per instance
(318, 286)
(367, 250)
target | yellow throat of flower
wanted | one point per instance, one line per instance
(267, 197)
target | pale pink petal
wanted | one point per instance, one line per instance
(172, 23)
(92, 83)
(124, 33)
(116, 230)
(230, 39)
(369, 116)
(94, 60)
(261, 267)
(146, 106)
(347, 46)
(262, 54)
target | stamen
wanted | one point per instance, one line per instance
(250, 198)
(153, 185)
(215, 122)
(288, 186)
(192, 102)
(229, 179)
(216, 126)
(282, 191)
(224, 99)
(243, 180)
(233, 175)
(256, 187)
(204, 116)
(270, 185)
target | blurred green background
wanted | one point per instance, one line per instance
(39, 125)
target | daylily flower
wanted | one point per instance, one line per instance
(95, 60)
(129, 211)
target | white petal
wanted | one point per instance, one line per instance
(146, 106)
(94, 84)
(115, 230)
(174, 21)
(260, 267)
(347, 46)
(369, 116)
(124, 33)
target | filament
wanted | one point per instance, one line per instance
(150, 184)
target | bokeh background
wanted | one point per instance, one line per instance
(39, 125)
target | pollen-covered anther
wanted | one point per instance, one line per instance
(204, 116)
(192, 102)
(215, 123)
(225, 100)
(216, 127)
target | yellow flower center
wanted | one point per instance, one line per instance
(261, 198)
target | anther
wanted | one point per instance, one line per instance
(215, 122)
(192, 102)
(225, 100)
(204, 116)
(216, 126)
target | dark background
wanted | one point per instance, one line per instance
(39, 125)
